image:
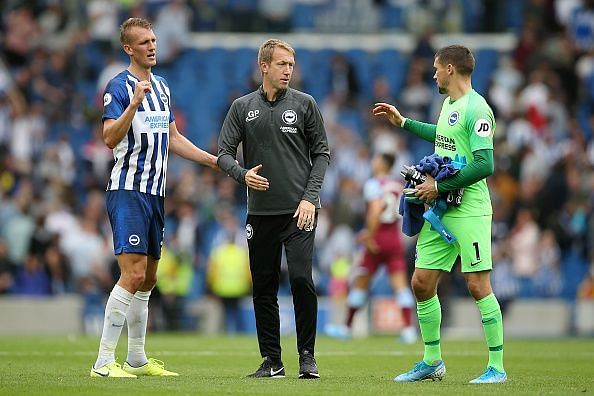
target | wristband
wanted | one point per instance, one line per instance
(403, 121)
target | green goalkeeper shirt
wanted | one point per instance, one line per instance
(465, 128)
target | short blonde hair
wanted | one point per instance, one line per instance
(266, 50)
(129, 24)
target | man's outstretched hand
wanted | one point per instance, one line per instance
(254, 180)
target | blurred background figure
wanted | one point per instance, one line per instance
(383, 245)
(228, 276)
(174, 280)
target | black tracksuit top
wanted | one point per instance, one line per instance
(287, 137)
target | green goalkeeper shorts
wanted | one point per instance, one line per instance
(473, 245)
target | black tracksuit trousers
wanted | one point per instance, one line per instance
(266, 236)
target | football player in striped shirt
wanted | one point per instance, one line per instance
(138, 124)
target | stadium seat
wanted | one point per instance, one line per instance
(574, 270)
(317, 81)
(303, 17)
(362, 62)
(88, 91)
(514, 15)
(241, 64)
(92, 58)
(486, 63)
(393, 17)
(471, 15)
(352, 119)
(393, 66)
(241, 4)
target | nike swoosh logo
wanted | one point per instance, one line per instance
(473, 264)
(115, 325)
(101, 374)
(248, 119)
(273, 373)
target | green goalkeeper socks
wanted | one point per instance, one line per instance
(493, 326)
(429, 314)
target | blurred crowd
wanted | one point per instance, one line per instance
(56, 57)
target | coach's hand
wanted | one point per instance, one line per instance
(254, 180)
(140, 91)
(388, 111)
(306, 213)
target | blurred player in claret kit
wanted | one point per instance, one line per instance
(383, 244)
(138, 124)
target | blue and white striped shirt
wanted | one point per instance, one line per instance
(141, 156)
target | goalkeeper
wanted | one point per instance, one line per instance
(465, 129)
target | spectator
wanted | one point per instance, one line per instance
(85, 249)
(174, 279)
(276, 14)
(32, 278)
(524, 250)
(229, 275)
(547, 280)
(580, 25)
(343, 82)
(20, 34)
(103, 24)
(7, 270)
(172, 26)
(58, 29)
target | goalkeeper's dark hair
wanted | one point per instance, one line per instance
(458, 56)
(388, 159)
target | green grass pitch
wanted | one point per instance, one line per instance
(216, 365)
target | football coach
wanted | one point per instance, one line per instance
(286, 154)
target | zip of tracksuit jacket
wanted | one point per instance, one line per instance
(287, 137)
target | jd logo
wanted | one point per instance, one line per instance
(482, 128)
(252, 115)
(453, 118)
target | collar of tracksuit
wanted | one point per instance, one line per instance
(280, 95)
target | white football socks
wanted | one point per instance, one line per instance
(137, 318)
(117, 306)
